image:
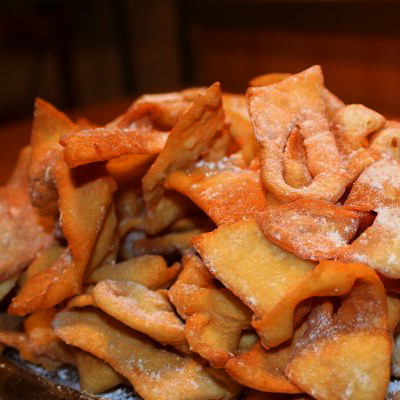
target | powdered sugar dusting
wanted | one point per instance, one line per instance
(219, 165)
(336, 238)
(389, 218)
(382, 173)
(394, 387)
(121, 393)
(379, 245)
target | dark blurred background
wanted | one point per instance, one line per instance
(76, 53)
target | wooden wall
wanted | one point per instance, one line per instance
(357, 44)
(74, 52)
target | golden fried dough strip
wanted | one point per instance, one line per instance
(310, 229)
(345, 355)
(329, 278)
(386, 140)
(225, 193)
(103, 144)
(393, 310)
(156, 374)
(46, 288)
(159, 111)
(194, 276)
(214, 317)
(237, 116)
(148, 270)
(49, 125)
(256, 270)
(22, 235)
(7, 285)
(82, 300)
(12, 335)
(142, 309)
(42, 341)
(106, 242)
(44, 259)
(379, 245)
(169, 243)
(377, 187)
(263, 369)
(189, 138)
(352, 124)
(95, 376)
(83, 204)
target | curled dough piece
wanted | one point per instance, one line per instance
(297, 104)
(386, 140)
(329, 278)
(352, 124)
